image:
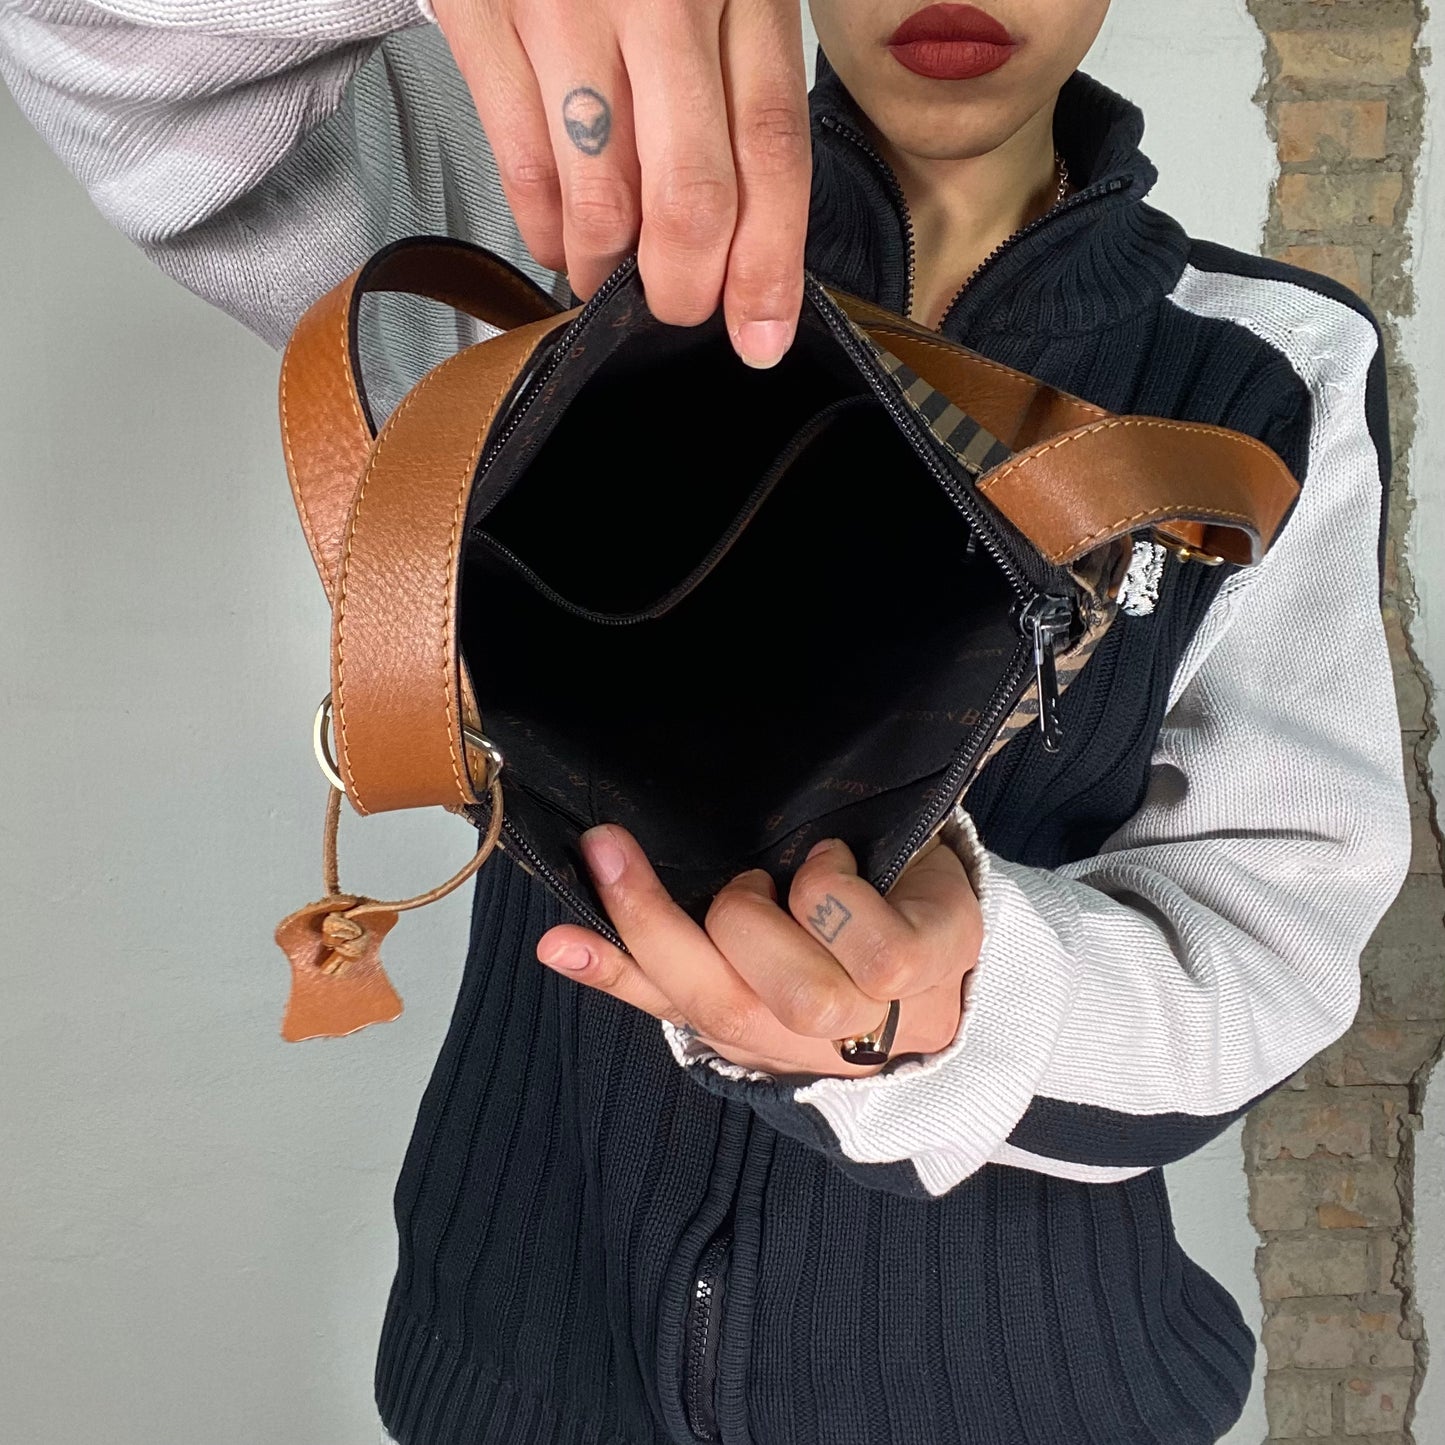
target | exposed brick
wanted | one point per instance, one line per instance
(1337, 1334)
(1314, 1264)
(1345, 56)
(1397, 1120)
(1349, 265)
(1319, 1122)
(1311, 130)
(1299, 1406)
(1375, 1404)
(1424, 847)
(1380, 1053)
(1387, 1259)
(1311, 201)
(1333, 1196)
(1404, 972)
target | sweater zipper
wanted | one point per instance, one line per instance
(895, 188)
(702, 1338)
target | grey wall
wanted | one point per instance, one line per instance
(196, 1230)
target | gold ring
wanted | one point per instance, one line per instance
(866, 1050)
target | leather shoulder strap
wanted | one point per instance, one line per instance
(326, 424)
(1083, 476)
(384, 517)
(400, 702)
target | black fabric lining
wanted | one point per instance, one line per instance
(738, 633)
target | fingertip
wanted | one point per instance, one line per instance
(757, 880)
(763, 344)
(605, 853)
(832, 855)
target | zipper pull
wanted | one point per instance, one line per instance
(1047, 619)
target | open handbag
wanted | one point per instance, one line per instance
(595, 569)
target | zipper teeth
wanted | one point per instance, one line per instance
(701, 1329)
(857, 138)
(559, 347)
(1080, 198)
(1002, 702)
(911, 426)
(515, 842)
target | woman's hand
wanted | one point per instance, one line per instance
(769, 987)
(678, 128)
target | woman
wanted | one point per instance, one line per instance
(618, 1231)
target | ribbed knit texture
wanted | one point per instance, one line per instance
(565, 1174)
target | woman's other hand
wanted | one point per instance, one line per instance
(677, 128)
(769, 986)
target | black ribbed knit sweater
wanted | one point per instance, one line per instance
(566, 1178)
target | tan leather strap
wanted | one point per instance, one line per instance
(398, 699)
(326, 428)
(1083, 475)
(400, 693)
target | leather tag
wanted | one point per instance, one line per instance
(338, 985)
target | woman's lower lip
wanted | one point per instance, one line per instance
(952, 59)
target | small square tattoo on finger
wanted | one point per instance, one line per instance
(828, 918)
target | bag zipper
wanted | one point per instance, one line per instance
(1047, 619)
(702, 1337)
(1036, 603)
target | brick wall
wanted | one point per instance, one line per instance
(1330, 1158)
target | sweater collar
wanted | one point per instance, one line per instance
(1101, 257)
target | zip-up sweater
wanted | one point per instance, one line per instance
(611, 1237)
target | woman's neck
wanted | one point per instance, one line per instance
(963, 210)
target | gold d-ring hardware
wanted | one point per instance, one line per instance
(326, 759)
(1188, 554)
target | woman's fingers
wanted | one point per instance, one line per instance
(802, 984)
(585, 88)
(675, 954)
(580, 954)
(689, 185)
(762, 49)
(925, 932)
(676, 127)
(502, 79)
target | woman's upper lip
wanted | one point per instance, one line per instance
(951, 23)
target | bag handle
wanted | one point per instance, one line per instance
(403, 707)
(326, 423)
(1083, 476)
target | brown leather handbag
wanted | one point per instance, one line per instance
(597, 570)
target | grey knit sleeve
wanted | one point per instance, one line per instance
(259, 150)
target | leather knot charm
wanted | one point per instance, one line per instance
(338, 984)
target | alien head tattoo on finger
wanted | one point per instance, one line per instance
(829, 918)
(588, 119)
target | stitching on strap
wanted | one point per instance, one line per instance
(441, 372)
(449, 671)
(341, 600)
(1138, 422)
(298, 492)
(983, 361)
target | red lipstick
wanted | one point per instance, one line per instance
(951, 42)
